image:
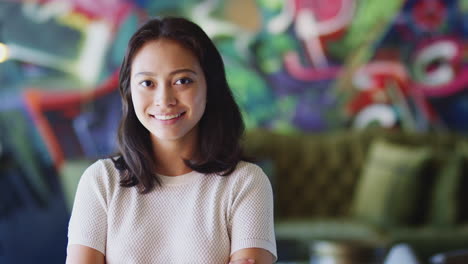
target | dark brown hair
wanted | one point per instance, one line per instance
(220, 127)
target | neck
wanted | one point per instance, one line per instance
(170, 155)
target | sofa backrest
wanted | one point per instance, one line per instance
(315, 175)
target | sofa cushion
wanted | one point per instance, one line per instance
(328, 229)
(387, 190)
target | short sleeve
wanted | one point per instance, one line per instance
(251, 216)
(88, 221)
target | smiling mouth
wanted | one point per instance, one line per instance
(167, 117)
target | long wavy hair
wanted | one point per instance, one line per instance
(220, 128)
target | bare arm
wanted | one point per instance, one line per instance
(78, 254)
(259, 255)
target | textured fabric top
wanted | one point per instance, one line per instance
(191, 218)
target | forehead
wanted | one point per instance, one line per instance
(164, 54)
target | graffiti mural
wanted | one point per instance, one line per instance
(306, 65)
(423, 87)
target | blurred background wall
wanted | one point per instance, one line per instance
(293, 65)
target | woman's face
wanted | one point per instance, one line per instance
(168, 90)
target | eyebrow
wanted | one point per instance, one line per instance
(172, 73)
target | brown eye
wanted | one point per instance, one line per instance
(146, 83)
(184, 81)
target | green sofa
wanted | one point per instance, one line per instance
(381, 187)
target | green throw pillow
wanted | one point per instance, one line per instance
(462, 206)
(387, 189)
(444, 204)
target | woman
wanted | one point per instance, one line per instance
(180, 191)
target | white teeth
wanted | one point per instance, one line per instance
(167, 117)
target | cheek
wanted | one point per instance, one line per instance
(135, 102)
(138, 102)
(201, 95)
(199, 101)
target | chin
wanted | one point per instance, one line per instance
(172, 135)
(167, 136)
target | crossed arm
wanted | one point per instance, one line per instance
(259, 255)
(78, 254)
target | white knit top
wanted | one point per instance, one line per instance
(191, 218)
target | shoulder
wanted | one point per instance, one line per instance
(244, 167)
(101, 175)
(100, 168)
(247, 173)
(244, 174)
(248, 169)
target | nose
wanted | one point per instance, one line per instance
(164, 96)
